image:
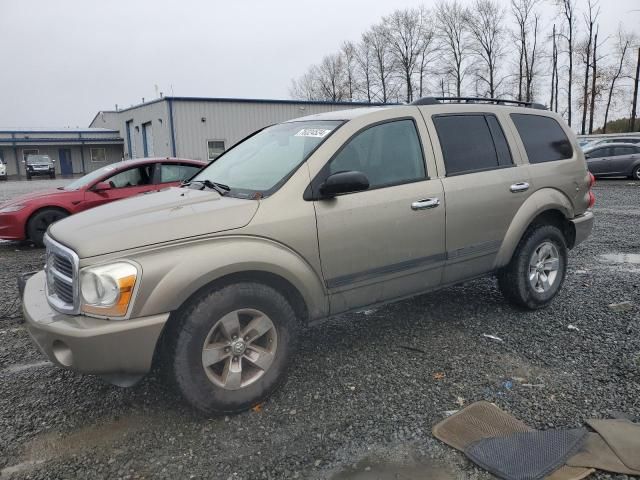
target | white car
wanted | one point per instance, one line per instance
(3, 170)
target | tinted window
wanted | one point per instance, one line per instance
(176, 172)
(617, 151)
(388, 154)
(543, 138)
(599, 153)
(132, 177)
(468, 144)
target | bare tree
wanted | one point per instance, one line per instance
(348, 52)
(594, 77)
(452, 29)
(632, 123)
(304, 88)
(330, 78)
(590, 22)
(428, 48)
(365, 65)
(527, 20)
(403, 32)
(383, 62)
(622, 49)
(485, 21)
(567, 9)
(553, 103)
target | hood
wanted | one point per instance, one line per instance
(22, 199)
(172, 214)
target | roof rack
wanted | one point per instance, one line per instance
(495, 101)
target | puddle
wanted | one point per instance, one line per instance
(632, 258)
(54, 445)
(374, 469)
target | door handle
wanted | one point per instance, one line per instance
(519, 187)
(425, 203)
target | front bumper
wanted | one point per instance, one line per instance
(12, 226)
(90, 345)
(583, 225)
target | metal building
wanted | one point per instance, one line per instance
(200, 128)
(75, 151)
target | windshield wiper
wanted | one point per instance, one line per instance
(221, 188)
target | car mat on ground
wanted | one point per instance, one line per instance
(485, 420)
(526, 455)
(623, 437)
(596, 453)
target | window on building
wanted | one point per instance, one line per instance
(481, 147)
(177, 172)
(215, 148)
(98, 155)
(543, 138)
(388, 154)
(147, 139)
(29, 151)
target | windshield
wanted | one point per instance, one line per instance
(263, 161)
(89, 178)
(31, 159)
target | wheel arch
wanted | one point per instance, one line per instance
(41, 209)
(546, 206)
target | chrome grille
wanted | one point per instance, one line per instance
(62, 277)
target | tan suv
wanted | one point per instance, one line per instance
(305, 220)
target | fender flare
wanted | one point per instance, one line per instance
(543, 200)
(172, 275)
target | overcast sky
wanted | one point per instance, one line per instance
(64, 60)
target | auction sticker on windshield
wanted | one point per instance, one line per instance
(313, 132)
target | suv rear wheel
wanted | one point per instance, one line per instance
(636, 173)
(537, 269)
(229, 350)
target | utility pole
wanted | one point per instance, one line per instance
(635, 97)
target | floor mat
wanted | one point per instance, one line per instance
(623, 437)
(485, 420)
(526, 455)
(596, 453)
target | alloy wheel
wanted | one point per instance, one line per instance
(543, 267)
(239, 348)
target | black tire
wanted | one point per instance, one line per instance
(636, 173)
(190, 329)
(28, 177)
(513, 279)
(40, 221)
(52, 175)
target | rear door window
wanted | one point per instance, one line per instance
(619, 151)
(177, 172)
(472, 143)
(543, 138)
(600, 153)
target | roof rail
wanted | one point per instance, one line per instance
(496, 101)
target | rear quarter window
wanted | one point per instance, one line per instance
(543, 138)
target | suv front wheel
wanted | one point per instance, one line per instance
(537, 269)
(229, 349)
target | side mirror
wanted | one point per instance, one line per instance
(344, 182)
(101, 187)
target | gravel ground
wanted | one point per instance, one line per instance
(364, 390)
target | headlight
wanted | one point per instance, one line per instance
(107, 290)
(11, 208)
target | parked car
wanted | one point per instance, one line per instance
(3, 170)
(614, 160)
(29, 216)
(634, 140)
(39, 165)
(305, 220)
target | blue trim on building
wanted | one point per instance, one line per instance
(173, 132)
(67, 132)
(62, 140)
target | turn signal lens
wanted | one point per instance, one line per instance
(592, 180)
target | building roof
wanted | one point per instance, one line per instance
(23, 130)
(242, 100)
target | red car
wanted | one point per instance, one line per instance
(29, 216)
